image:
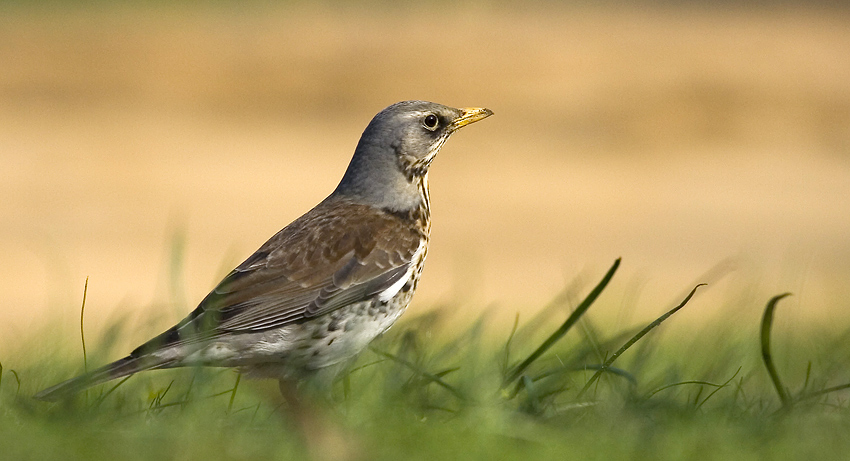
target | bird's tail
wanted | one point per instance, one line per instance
(117, 369)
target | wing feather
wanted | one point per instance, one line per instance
(337, 254)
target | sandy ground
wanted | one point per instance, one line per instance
(677, 139)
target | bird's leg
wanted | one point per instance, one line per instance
(323, 438)
(289, 391)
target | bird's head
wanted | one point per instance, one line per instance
(396, 150)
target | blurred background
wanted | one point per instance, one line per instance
(152, 147)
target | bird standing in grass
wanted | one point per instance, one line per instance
(326, 285)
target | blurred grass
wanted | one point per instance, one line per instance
(421, 393)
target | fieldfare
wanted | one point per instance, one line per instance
(326, 285)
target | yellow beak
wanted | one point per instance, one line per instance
(470, 115)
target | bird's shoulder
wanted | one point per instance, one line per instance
(334, 229)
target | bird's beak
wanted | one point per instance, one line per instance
(470, 115)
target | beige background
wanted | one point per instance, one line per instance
(675, 138)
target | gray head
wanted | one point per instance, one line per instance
(390, 164)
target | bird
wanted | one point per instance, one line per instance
(322, 288)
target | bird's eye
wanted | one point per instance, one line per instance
(430, 122)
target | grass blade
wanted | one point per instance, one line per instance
(717, 389)
(821, 392)
(766, 323)
(560, 332)
(635, 339)
(431, 377)
(507, 357)
(110, 391)
(233, 395)
(82, 332)
(18, 380)
(682, 383)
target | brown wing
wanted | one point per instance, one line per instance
(336, 254)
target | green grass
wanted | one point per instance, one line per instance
(568, 390)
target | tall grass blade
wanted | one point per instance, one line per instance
(766, 323)
(18, 380)
(233, 395)
(507, 357)
(821, 392)
(82, 331)
(635, 339)
(560, 332)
